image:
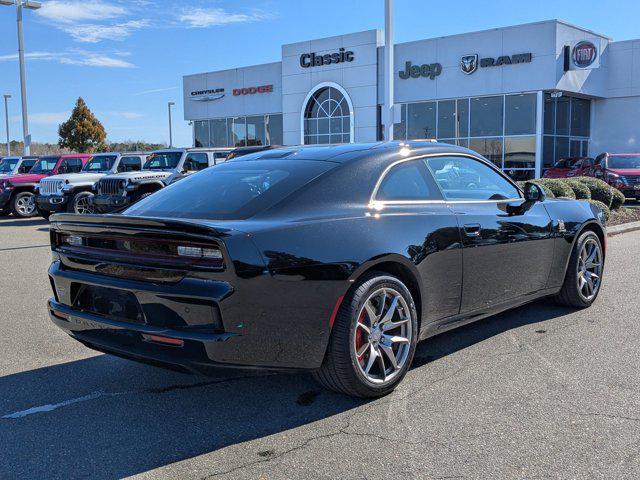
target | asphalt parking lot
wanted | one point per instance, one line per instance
(539, 392)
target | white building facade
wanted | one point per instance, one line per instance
(522, 96)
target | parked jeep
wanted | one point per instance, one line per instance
(72, 192)
(16, 165)
(162, 167)
(18, 192)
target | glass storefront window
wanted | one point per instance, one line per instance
(201, 133)
(462, 117)
(580, 117)
(561, 148)
(562, 115)
(521, 175)
(400, 129)
(486, 116)
(237, 128)
(218, 135)
(490, 148)
(547, 151)
(274, 129)
(519, 152)
(255, 130)
(421, 120)
(520, 114)
(447, 119)
(549, 114)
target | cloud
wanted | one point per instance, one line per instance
(79, 11)
(129, 115)
(210, 17)
(75, 57)
(94, 33)
(45, 118)
(155, 90)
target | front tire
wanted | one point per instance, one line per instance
(584, 272)
(81, 203)
(23, 205)
(373, 339)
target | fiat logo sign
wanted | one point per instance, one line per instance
(584, 54)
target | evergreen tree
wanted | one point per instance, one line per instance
(83, 132)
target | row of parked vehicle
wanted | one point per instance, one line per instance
(98, 183)
(620, 170)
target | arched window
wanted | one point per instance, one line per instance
(327, 117)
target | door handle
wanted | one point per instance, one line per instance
(472, 229)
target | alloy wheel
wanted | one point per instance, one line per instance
(26, 205)
(383, 335)
(589, 269)
(83, 205)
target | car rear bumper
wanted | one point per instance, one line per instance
(109, 203)
(52, 203)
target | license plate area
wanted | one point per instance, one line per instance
(107, 302)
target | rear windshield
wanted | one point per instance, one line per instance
(162, 161)
(231, 191)
(8, 164)
(100, 163)
(566, 162)
(623, 161)
(45, 165)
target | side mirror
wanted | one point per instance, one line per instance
(533, 192)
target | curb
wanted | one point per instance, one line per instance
(624, 228)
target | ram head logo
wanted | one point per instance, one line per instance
(469, 63)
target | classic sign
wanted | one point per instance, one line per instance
(252, 90)
(428, 70)
(313, 60)
(584, 54)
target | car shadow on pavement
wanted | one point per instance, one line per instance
(22, 222)
(106, 418)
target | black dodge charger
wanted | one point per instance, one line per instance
(336, 260)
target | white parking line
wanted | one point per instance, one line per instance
(52, 406)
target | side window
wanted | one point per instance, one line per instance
(25, 166)
(408, 181)
(465, 178)
(196, 161)
(70, 165)
(219, 157)
(130, 164)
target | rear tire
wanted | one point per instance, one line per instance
(373, 339)
(584, 273)
(23, 205)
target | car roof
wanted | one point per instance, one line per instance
(351, 151)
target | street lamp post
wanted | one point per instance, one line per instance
(6, 118)
(389, 109)
(30, 5)
(169, 105)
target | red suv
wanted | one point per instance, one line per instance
(620, 170)
(570, 167)
(17, 192)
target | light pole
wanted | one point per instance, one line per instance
(389, 109)
(169, 105)
(31, 5)
(6, 118)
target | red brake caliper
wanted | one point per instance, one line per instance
(360, 339)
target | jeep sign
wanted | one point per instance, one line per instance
(427, 70)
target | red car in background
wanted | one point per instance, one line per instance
(17, 192)
(570, 167)
(620, 170)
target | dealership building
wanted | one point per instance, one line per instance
(522, 96)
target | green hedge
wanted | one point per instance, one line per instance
(580, 190)
(618, 199)
(600, 190)
(603, 207)
(558, 186)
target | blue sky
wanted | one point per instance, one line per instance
(127, 58)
